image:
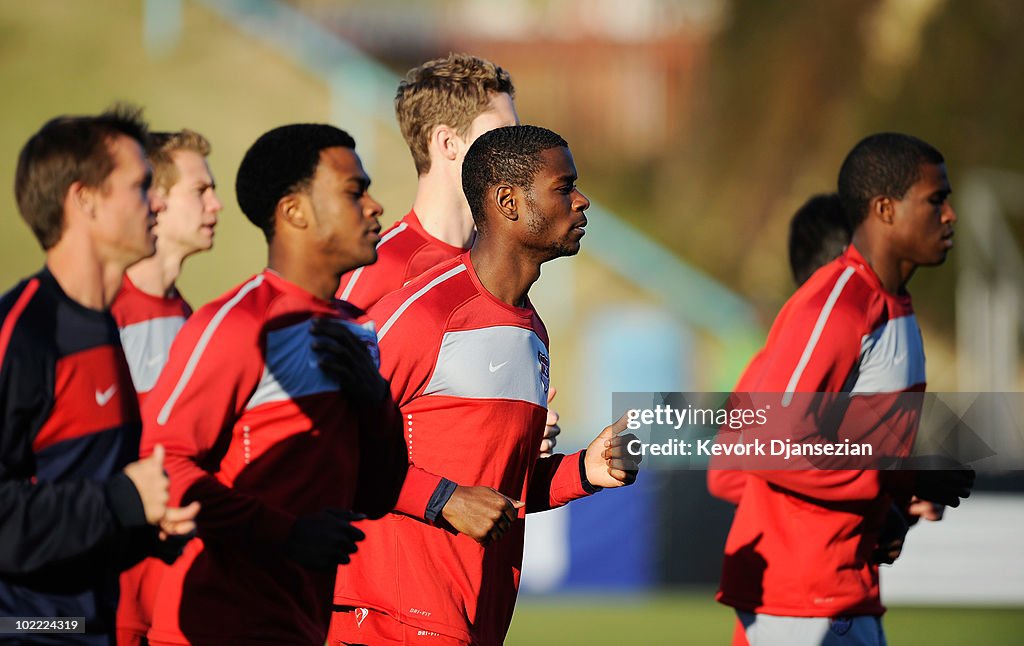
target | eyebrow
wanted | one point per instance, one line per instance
(568, 177)
(362, 182)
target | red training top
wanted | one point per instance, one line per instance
(471, 376)
(260, 435)
(801, 541)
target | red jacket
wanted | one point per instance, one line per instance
(470, 374)
(259, 434)
(801, 541)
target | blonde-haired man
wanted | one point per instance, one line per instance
(150, 311)
(442, 106)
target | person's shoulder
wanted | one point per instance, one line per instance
(28, 321)
(241, 307)
(133, 306)
(17, 298)
(31, 305)
(399, 242)
(436, 291)
(838, 289)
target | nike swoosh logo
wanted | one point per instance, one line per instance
(495, 368)
(103, 398)
(900, 358)
(154, 360)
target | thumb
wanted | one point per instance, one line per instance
(552, 391)
(158, 455)
(178, 514)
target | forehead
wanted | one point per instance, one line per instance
(555, 163)
(339, 164)
(932, 177)
(128, 155)
(190, 164)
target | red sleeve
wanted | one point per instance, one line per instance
(812, 348)
(406, 362)
(555, 481)
(213, 368)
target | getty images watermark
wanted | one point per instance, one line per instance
(734, 419)
(782, 431)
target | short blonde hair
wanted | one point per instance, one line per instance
(160, 149)
(451, 91)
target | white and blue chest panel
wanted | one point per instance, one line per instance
(891, 358)
(501, 362)
(292, 368)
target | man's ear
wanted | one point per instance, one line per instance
(443, 140)
(82, 198)
(291, 209)
(882, 207)
(505, 199)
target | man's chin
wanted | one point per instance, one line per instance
(935, 261)
(142, 252)
(567, 249)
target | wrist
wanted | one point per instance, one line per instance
(125, 501)
(584, 479)
(439, 499)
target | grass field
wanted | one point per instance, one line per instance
(695, 619)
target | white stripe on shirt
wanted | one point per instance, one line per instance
(204, 340)
(819, 326)
(412, 299)
(359, 272)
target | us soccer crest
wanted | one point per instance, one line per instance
(545, 370)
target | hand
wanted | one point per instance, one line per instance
(891, 538)
(945, 482)
(179, 521)
(887, 552)
(607, 462)
(345, 358)
(481, 513)
(323, 540)
(152, 484)
(551, 429)
(926, 510)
